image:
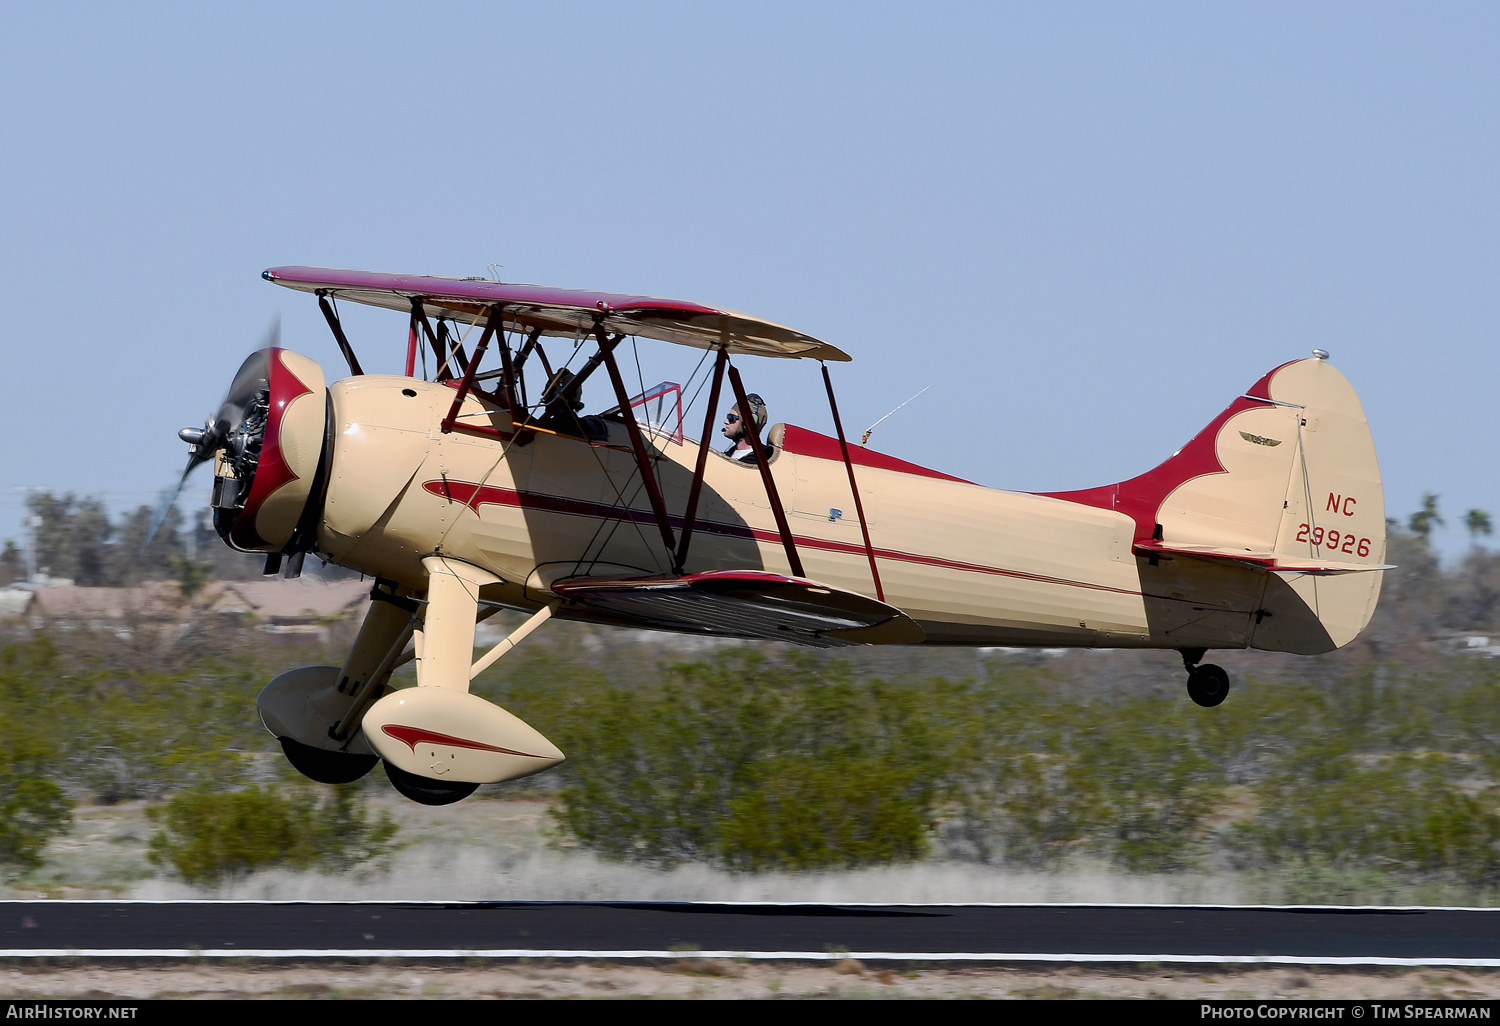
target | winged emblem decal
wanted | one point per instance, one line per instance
(1259, 439)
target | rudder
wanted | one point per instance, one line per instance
(1335, 505)
(1287, 471)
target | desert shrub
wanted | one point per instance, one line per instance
(808, 812)
(1012, 794)
(1154, 785)
(1018, 805)
(802, 763)
(741, 761)
(1037, 776)
(73, 722)
(1404, 812)
(1384, 772)
(208, 835)
(150, 734)
(34, 807)
(122, 732)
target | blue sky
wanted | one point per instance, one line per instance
(1090, 226)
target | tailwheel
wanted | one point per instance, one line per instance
(1208, 685)
(427, 790)
(324, 766)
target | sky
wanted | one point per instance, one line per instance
(1088, 226)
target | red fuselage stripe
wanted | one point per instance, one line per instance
(474, 496)
(411, 736)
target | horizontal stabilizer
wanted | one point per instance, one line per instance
(746, 604)
(1274, 562)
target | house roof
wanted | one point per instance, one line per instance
(282, 599)
(275, 599)
(71, 602)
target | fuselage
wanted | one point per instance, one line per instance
(971, 565)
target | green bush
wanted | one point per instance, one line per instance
(123, 733)
(743, 762)
(800, 761)
(209, 836)
(1012, 793)
(33, 809)
(803, 812)
(1037, 776)
(1404, 812)
(1154, 784)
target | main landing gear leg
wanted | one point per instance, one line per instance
(438, 741)
(315, 711)
(1207, 684)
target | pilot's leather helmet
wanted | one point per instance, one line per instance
(559, 384)
(757, 409)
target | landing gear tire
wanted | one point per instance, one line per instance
(324, 766)
(1208, 685)
(425, 789)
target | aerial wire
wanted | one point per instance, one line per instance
(875, 425)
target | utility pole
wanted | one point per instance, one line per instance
(35, 523)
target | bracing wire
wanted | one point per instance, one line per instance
(621, 502)
(640, 376)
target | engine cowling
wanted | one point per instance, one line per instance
(266, 474)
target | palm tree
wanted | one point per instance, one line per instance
(1421, 522)
(1478, 522)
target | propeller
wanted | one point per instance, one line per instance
(226, 430)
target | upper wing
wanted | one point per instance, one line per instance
(561, 311)
(746, 604)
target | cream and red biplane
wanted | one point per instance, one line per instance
(481, 485)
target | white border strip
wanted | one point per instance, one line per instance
(799, 956)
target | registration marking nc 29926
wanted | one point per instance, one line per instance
(1338, 541)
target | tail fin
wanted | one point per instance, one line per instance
(1287, 474)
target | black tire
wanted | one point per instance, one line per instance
(1208, 685)
(425, 789)
(324, 766)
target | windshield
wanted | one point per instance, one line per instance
(658, 409)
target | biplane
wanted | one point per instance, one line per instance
(477, 480)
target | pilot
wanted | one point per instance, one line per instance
(736, 430)
(564, 418)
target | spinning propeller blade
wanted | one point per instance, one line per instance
(164, 505)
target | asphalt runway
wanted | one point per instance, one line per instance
(511, 929)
